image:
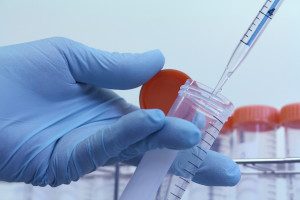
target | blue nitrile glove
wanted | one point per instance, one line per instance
(59, 120)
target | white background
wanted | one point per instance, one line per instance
(196, 36)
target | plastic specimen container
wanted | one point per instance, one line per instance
(290, 120)
(188, 100)
(255, 137)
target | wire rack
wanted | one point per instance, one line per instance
(270, 166)
(282, 167)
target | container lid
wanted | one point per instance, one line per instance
(228, 126)
(257, 118)
(161, 91)
(290, 116)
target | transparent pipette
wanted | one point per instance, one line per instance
(146, 180)
(262, 19)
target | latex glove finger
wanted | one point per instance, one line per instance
(217, 173)
(216, 169)
(77, 153)
(109, 70)
(176, 134)
(99, 145)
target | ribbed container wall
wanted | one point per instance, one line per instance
(290, 120)
(255, 137)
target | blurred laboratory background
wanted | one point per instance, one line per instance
(196, 37)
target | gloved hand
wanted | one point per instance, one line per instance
(59, 120)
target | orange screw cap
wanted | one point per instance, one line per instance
(256, 118)
(290, 116)
(161, 91)
(228, 126)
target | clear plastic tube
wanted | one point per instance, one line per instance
(255, 137)
(290, 120)
(256, 145)
(193, 102)
(223, 144)
(293, 150)
(194, 99)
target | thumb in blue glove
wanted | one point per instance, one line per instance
(59, 121)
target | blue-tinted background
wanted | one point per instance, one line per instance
(196, 36)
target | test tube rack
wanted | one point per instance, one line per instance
(269, 166)
(280, 166)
